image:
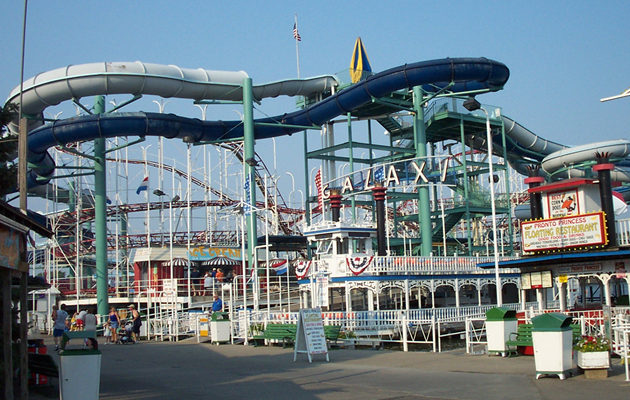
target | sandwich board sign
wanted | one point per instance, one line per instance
(310, 337)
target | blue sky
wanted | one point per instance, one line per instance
(563, 55)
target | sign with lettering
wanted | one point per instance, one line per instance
(310, 337)
(397, 174)
(202, 253)
(564, 233)
(563, 204)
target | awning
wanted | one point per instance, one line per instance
(177, 262)
(273, 263)
(220, 261)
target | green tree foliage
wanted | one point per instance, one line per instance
(8, 151)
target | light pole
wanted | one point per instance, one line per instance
(471, 105)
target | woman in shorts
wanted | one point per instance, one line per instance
(114, 323)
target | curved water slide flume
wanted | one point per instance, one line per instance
(458, 74)
(524, 148)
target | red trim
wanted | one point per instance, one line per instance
(534, 179)
(603, 167)
(565, 184)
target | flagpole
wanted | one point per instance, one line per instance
(297, 47)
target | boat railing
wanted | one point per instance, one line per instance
(623, 231)
(408, 265)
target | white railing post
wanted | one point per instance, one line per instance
(404, 331)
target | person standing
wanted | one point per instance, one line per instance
(195, 277)
(60, 324)
(137, 322)
(114, 323)
(207, 284)
(217, 304)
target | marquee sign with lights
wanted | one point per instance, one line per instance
(565, 233)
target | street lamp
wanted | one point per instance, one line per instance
(471, 104)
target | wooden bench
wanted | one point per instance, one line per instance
(42, 364)
(332, 332)
(284, 332)
(523, 336)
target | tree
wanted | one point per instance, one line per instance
(8, 150)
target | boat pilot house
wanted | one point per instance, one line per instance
(571, 244)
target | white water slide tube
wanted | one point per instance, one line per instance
(138, 78)
(553, 157)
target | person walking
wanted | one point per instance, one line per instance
(114, 323)
(60, 323)
(137, 322)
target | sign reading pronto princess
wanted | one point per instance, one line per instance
(564, 233)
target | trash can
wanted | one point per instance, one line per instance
(553, 344)
(500, 322)
(79, 369)
(219, 327)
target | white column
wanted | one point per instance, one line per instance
(456, 292)
(370, 300)
(606, 282)
(407, 294)
(562, 296)
(348, 298)
(539, 299)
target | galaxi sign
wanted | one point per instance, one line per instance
(415, 173)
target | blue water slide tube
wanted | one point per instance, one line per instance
(462, 74)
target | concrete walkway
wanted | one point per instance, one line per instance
(187, 370)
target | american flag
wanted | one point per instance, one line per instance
(320, 192)
(296, 34)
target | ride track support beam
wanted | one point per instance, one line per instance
(100, 212)
(249, 154)
(420, 140)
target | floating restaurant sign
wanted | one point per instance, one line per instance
(202, 253)
(544, 235)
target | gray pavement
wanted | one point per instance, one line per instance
(188, 370)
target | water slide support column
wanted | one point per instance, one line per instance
(248, 144)
(420, 139)
(100, 212)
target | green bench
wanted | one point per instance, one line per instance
(284, 332)
(42, 364)
(332, 332)
(523, 336)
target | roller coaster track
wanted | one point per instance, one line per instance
(155, 240)
(288, 226)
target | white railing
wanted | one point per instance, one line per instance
(417, 326)
(404, 265)
(623, 231)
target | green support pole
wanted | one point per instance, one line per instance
(248, 144)
(100, 212)
(351, 162)
(72, 198)
(420, 139)
(506, 176)
(307, 203)
(465, 167)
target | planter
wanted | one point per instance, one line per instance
(593, 360)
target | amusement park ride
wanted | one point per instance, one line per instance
(419, 210)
